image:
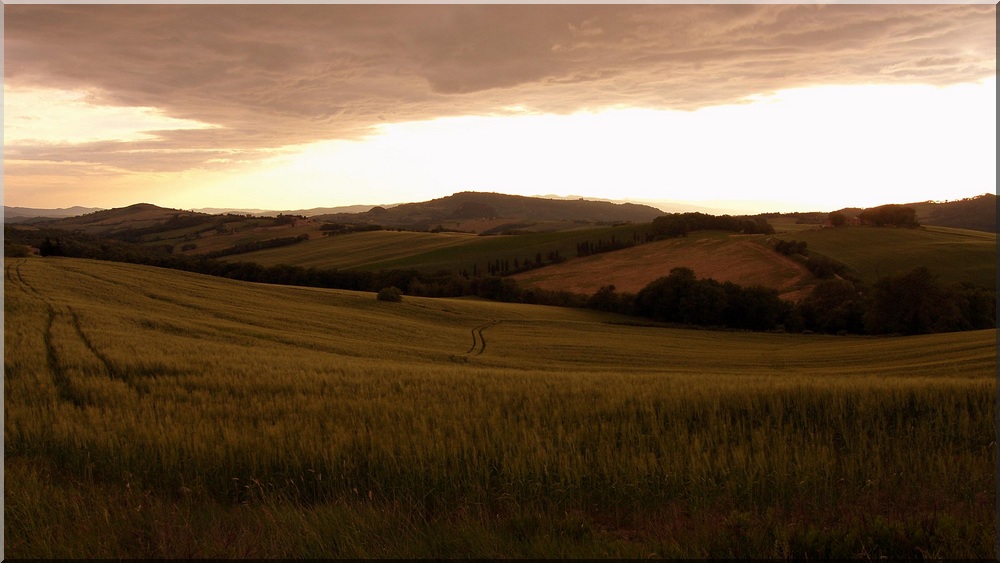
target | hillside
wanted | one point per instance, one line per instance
(26, 214)
(208, 417)
(977, 213)
(432, 252)
(491, 210)
(109, 222)
(955, 255)
(722, 256)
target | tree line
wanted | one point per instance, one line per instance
(257, 245)
(912, 302)
(680, 224)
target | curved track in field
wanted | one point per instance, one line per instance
(58, 366)
(478, 339)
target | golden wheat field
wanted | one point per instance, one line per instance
(157, 413)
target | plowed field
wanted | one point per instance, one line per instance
(735, 258)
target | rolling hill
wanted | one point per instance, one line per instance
(740, 259)
(490, 210)
(435, 251)
(156, 413)
(976, 213)
(27, 214)
(552, 255)
(955, 255)
(110, 222)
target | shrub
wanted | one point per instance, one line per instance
(391, 293)
(16, 250)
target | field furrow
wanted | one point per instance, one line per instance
(150, 403)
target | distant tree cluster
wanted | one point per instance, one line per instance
(287, 219)
(392, 294)
(684, 299)
(905, 303)
(820, 266)
(330, 229)
(48, 247)
(586, 248)
(507, 267)
(915, 302)
(680, 224)
(790, 247)
(16, 250)
(257, 245)
(175, 222)
(890, 216)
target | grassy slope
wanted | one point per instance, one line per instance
(356, 250)
(430, 251)
(954, 254)
(155, 413)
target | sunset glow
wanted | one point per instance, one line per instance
(854, 142)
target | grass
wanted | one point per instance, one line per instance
(366, 250)
(956, 255)
(155, 413)
(381, 250)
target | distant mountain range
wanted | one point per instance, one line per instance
(22, 214)
(19, 214)
(467, 211)
(478, 211)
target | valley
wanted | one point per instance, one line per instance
(208, 415)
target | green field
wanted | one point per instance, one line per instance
(365, 250)
(955, 255)
(431, 252)
(155, 413)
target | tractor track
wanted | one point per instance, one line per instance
(57, 367)
(478, 339)
(60, 379)
(106, 363)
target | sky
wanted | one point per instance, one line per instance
(740, 108)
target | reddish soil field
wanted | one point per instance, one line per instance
(739, 259)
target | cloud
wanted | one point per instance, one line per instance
(270, 76)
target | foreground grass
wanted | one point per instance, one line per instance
(152, 413)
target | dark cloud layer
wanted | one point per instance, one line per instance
(271, 76)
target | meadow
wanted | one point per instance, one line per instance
(955, 255)
(157, 413)
(431, 252)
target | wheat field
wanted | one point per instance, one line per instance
(156, 413)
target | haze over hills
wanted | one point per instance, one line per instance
(479, 211)
(975, 213)
(495, 209)
(551, 252)
(18, 214)
(271, 212)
